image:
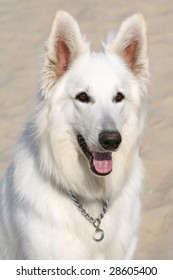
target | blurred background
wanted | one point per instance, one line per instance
(24, 27)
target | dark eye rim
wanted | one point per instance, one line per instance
(84, 99)
(119, 97)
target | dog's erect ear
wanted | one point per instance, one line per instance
(64, 45)
(131, 44)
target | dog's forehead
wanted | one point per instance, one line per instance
(99, 74)
(98, 67)
(99, 62)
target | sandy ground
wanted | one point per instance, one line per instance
(24, 26)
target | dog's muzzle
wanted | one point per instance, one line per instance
(101, 162)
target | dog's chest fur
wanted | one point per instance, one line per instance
(49, 226)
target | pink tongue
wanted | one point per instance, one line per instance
(102, 162)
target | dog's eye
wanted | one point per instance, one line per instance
(83, 97)
(118, 98)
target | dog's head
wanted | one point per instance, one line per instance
(96, 100)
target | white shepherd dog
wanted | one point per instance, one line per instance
(72, 190)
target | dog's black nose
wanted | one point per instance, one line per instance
(110, 140)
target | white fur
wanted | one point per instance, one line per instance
(38, 219)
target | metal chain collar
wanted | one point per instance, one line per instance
(99, 233)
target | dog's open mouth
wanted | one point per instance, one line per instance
(100, 162)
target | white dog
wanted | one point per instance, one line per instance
(72, 190)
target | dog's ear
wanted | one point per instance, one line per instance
(64, 45)
(131, 44)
